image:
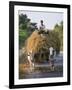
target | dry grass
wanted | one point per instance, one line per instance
(39, 43)
(36, 42)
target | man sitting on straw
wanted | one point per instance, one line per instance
(42, 29)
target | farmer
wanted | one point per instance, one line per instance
(51, 57)
(42, 26)
(42, 29)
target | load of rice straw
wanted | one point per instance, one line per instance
(40, 43)
(36, 43)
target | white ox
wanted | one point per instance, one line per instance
(30, 58)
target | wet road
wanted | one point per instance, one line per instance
(44, 75)
(47, 74)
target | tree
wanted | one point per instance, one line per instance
(56, 26)
(23, 21)
(59, 30)
(26, 27)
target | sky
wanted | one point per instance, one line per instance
(49, 18)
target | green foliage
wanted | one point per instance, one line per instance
(23, 21)
(59, 30)
(23, 34)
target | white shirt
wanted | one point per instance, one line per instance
(42, 27)
(51, 50)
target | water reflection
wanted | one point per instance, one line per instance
(43, 70)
